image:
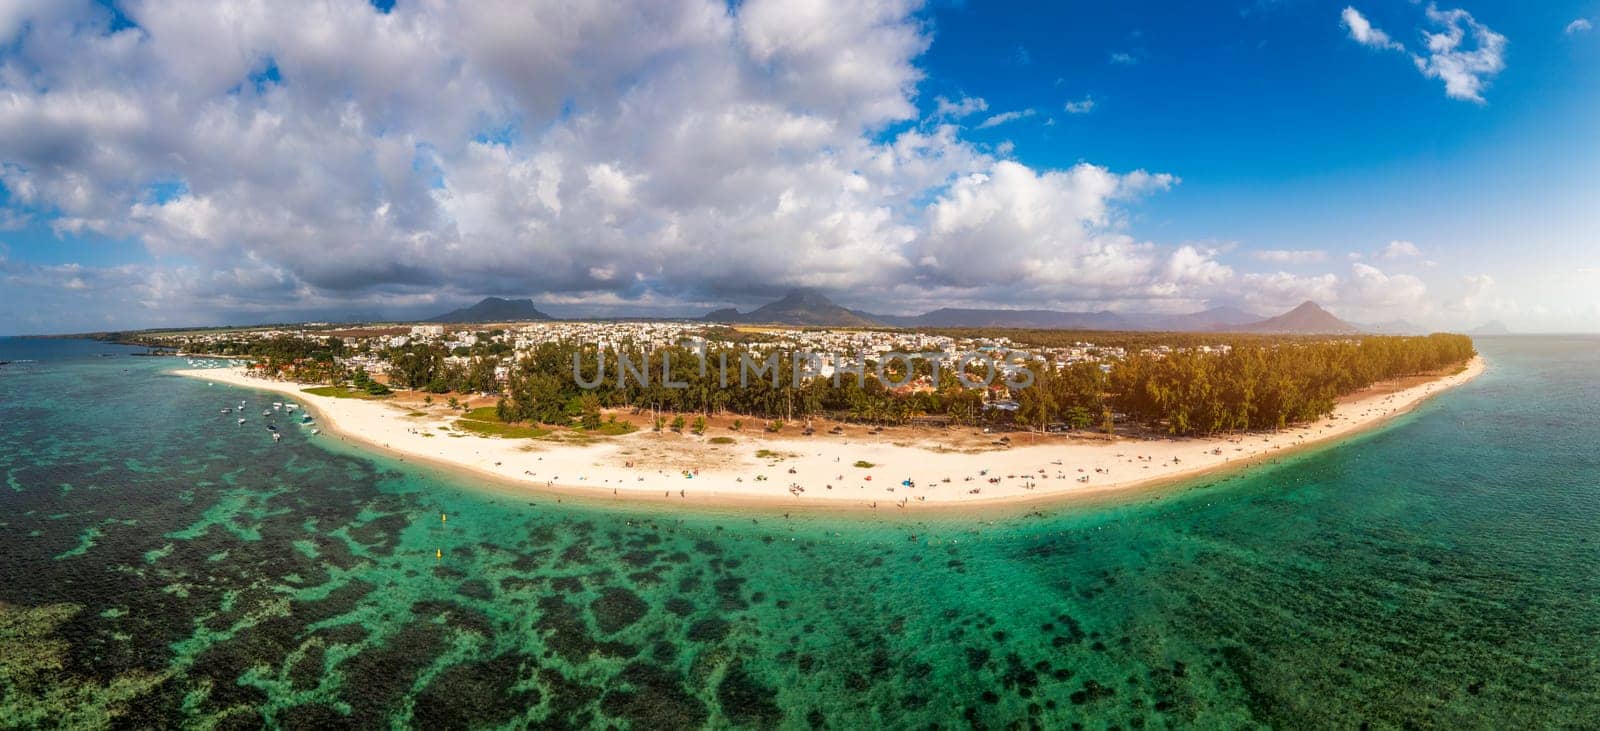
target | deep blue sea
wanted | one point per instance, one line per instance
(167, 568)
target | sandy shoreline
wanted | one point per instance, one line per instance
(649, 467)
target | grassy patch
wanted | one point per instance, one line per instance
(768, 454)
(721, 440)
(497, 429)
(342, 392)
(615, 428)
(485, 421)
(863, 464)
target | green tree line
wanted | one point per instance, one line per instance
(1260, 383)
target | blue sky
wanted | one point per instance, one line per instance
(159, 169)
(1288, 134)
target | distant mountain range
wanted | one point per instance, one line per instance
(806, 307)
(493, 309)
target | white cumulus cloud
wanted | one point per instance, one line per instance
(1400, 250)
(1465, 69)
(1362, 32)
(1457, 49)
(323, 156)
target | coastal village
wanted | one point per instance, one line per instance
(367, 348)
(643, 444)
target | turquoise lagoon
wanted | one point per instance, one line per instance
(165, 568)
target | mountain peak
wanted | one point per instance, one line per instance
(494, 309)
(1309, 318)
(799, 306)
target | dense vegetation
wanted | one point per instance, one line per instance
(1260, 382)
(424, 367)
(1260, 387)
(541, 387)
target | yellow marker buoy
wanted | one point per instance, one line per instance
(437, 553)
(442, 517)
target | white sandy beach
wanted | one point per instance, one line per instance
(819, 470)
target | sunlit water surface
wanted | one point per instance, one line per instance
(164, 566)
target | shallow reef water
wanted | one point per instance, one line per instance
(166, 568)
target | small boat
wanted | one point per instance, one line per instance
(272, 427)
(241, 421)
(305, 419)
(316, 431)
(227, 411)
(276, 436)
(289, 407)
(266, 413)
